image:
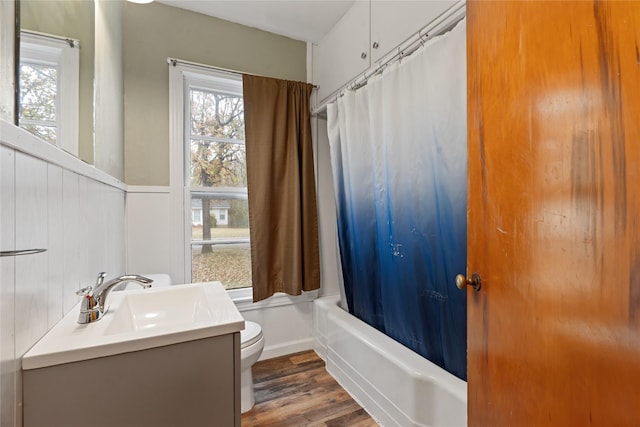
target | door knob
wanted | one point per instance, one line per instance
(475, 281)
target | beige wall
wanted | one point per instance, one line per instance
(74, 19)
(109, 89)
(154, 32)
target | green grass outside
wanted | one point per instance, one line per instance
(220, 232)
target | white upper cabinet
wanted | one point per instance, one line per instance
(344, 52)
(392, 22)
(366, 33)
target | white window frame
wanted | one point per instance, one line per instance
(180, 197)
(181, 78)
(64, 54)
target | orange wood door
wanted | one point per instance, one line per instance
(554, 213)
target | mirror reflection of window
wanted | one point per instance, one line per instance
(49, 82)
(38, 95)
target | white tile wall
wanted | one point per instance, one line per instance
(80, 221)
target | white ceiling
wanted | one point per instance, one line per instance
(307, 20)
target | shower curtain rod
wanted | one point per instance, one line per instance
(442, 23)
(173, 62)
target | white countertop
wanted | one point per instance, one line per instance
(213, 314)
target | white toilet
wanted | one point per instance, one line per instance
(251, 345)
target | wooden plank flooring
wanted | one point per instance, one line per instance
(296, 391)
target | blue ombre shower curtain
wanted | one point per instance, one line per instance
(399, 160)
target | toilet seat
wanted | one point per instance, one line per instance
(251, 334)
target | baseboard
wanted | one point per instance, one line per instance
(285, 348)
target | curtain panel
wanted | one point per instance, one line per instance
(281, 187)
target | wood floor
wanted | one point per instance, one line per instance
(296, 390)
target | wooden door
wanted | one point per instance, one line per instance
(554, 213)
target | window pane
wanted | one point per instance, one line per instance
(229, 264)
(219, 215)
(227, 218)
(38, 87)
(224, 223)
(216, 115)
(217, 163)
(38, 90)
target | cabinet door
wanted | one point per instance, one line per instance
(344, 52)
(392, 22)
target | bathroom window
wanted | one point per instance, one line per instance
(49, 84)
(216, 180)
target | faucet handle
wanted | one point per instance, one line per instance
(84, 291)
(100, 278)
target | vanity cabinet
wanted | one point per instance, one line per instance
(193, 383)
(365, 34)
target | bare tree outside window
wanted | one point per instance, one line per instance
(218, 167)
(38, 91)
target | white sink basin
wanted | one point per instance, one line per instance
(175, 306)
(137, 320)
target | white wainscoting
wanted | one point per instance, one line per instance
(67, 207)
(148, 231)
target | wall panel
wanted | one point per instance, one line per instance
(31, 232)
(55, 245)
(71, 218)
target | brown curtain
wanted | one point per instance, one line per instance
(281, 187)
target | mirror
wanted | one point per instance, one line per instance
(62, 19)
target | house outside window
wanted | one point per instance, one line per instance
(216, 180)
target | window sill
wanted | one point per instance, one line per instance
(243, 299)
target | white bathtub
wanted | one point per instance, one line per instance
(396, 386)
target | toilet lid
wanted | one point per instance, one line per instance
(251, 333)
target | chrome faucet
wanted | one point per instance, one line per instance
(92, 307)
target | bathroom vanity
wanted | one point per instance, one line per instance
(165, 357)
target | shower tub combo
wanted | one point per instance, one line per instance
(396, 386)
